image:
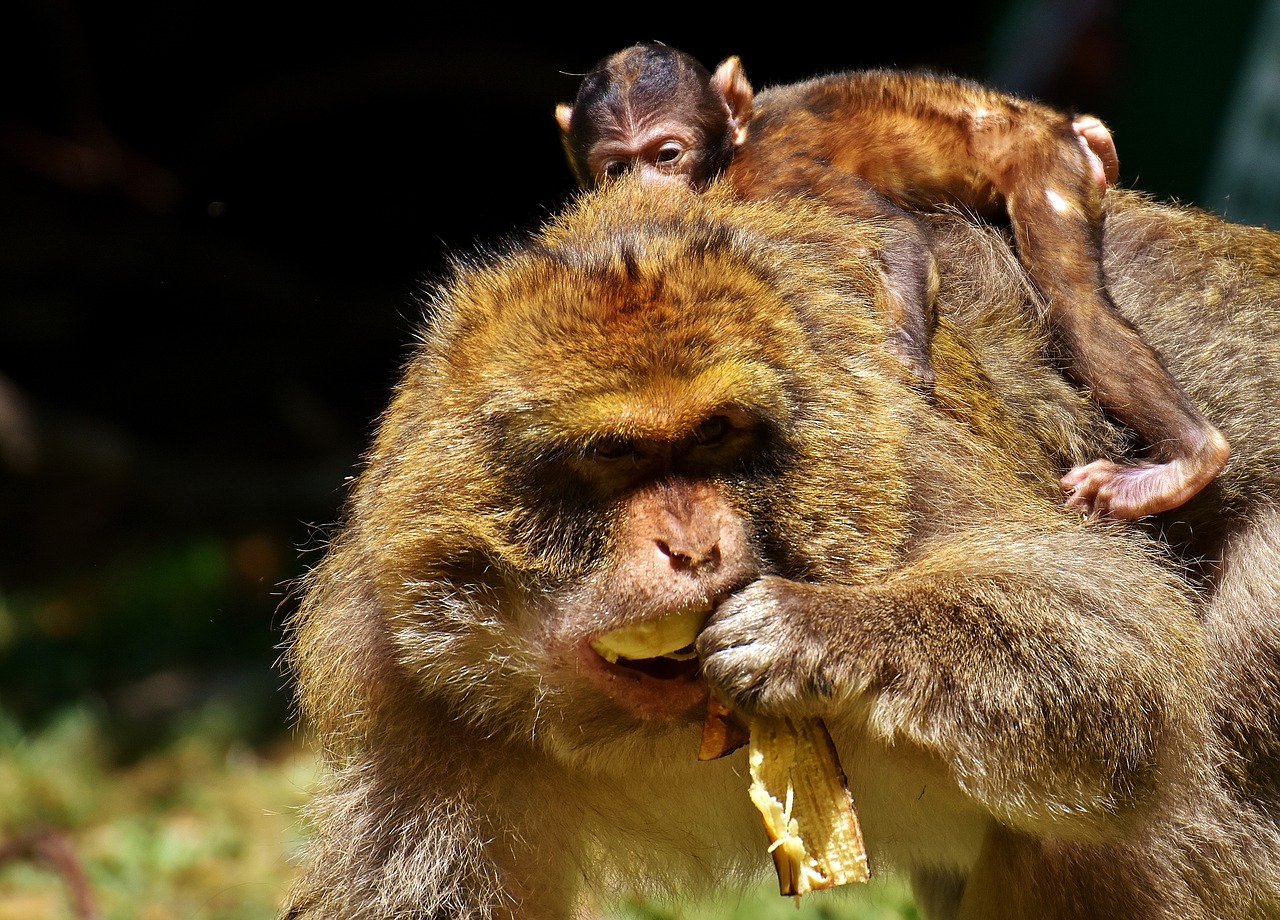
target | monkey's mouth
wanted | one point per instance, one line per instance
(682, 664)
(651, 666)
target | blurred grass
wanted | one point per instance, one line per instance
(198, 829)
(879, 900)
(150, 635)
(203, 829)
(144, 723)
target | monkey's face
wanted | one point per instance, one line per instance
(661, 145)
(652, 111)
(661, 153)
(604, 431)
(638, 430)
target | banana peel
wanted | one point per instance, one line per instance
(797, 783)
(800, 790)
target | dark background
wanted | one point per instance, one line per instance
(214, 220)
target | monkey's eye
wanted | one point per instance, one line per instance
(713, 431)
(669, 153)
(612, 448)
(615, 168)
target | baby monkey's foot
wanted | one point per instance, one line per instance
(1099, 148)
(1130, 492)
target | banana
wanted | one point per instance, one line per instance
(669, 636)
(797, 783)
(722, 731)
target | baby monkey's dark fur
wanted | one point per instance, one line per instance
(881, 143)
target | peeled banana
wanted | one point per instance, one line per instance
(670, 636)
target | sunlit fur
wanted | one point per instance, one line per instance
(1041, 716)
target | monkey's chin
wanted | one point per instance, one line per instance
(656, 689)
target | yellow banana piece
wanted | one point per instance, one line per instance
(797, 783)
(668, 636)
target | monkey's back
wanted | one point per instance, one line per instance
(922, 139)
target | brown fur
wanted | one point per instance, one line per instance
(926, 141)
(1039, 717)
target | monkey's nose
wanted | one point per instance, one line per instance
(687, 556)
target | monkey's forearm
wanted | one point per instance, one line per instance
(1017, 680)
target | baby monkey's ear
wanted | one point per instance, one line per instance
(729, 82)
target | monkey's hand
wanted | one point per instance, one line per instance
(1099, 149)
(796, 780)
(757, 651)
(988, 648)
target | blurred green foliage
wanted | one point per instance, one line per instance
(143, 721)
(879, 900)
(151, 639)
(143, 726)
(199, 828)
(206, 828)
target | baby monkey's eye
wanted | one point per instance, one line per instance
(669, 152)
(712, 431)
(615, 168)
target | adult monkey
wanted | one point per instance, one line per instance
(670, 402)
(921, 141)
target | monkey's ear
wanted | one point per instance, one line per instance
(564, 116)
(910, 277)
(730, 83)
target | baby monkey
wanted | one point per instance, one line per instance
(883, 143)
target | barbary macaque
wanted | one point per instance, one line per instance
(679, 404)
(870, 141)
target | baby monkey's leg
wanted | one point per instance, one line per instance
(1052, 192)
